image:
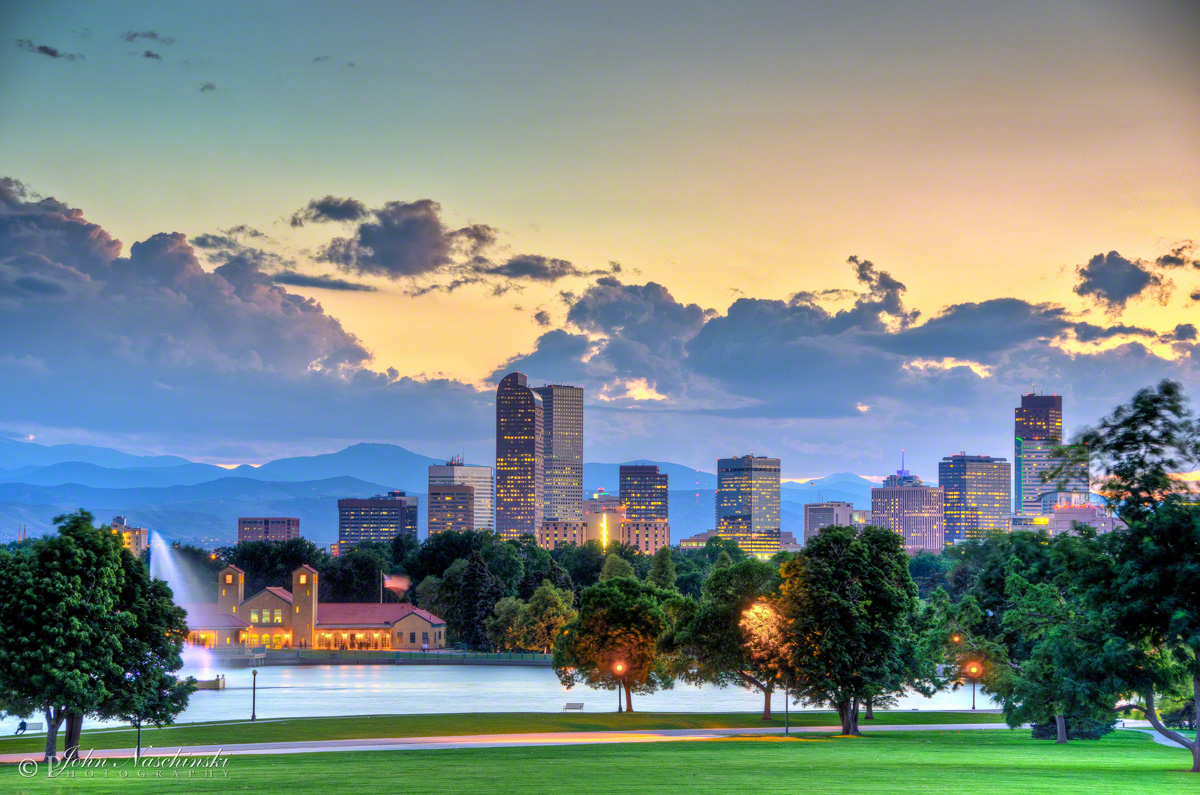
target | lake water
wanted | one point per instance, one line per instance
(321, 690)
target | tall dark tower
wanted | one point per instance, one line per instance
(1037, 431)
(644, 492)
(519, 458)
(562, 479)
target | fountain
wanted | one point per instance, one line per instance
(166, 565)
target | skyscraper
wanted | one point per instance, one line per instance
(748, 503)
(451, 508)
(562, 485)
(455, 473)
(519, 458)
(825, 514)
(1037, 433)
(644, 492)
(378, 518)
(905, 505)
(268, 528)
(977, 495)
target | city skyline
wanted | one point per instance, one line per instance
(915, 216)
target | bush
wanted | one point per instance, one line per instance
(1078, 728)
(1182, 718)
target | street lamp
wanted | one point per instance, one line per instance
(253, 693)
(619, 670)
(974, 669)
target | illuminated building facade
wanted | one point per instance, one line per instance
(905, 505)
(748, 510)
(519, 458)
(455, 473)
(378, 518)
(606, 521)
(268, 528)
(826, 514)
(1037, 432)
(451, 508)
(644, 492)
(977, 495)
(278, 618)
(135, 539)
(562, 478)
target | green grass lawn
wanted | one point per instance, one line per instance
(976, 762)
(356, 728)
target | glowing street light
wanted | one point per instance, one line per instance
(974, 670)
(619, 670)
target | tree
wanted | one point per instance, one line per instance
(620, 621)
(504, 560)
(402, 546)
(734, 635)
(582, 562)
(354, 575)
(439, 551)
(475, 600)
(850, 603)
(543, 617)
(724, 560)
(716, 545)
(61, 626)
(662, 569)
(616, 566)
(272, 562)
(501, 625)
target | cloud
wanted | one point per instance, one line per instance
(320, 59)
(401, 239)
(47, 50)
(1087, 332)
(542, 318)
(205, 87)
(330, 208)
(322, 282)
(151, 55)
(1179, 256)
(1184, 332)
(148, 35)
(1114, 281)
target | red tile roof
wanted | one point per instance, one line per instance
(310, 568)
(204, 615)
(282, 593)
(235, 568)
(356, 614)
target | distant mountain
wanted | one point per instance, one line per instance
(116, 478)
(839, 487)
(16, 454)
(389, 464)
(679, 477)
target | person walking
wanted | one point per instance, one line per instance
(21, 727)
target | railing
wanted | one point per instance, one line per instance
(428, 658)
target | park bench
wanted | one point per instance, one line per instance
(573, 706)
(35, 727)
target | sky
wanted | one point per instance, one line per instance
(824, 234)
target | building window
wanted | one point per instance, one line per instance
(297, 610)
(279, 616)
(228, 579)
(253, 616)
(412, 637)
(303, 579)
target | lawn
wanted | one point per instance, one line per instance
(361, 727)
(976, 762)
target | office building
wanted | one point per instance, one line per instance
(451, 508)
(378, 518)
(825, 514)
(1061, 513)
(562, 474)
(1037, 433)
(748, 510)
(698, 541)
(977, 495)
(268, 528)
(455, 473)
(519, 458)
(644, 492)
(135, 539)
(606, 521)
(905, 505)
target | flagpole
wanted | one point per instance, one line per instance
(381, 586)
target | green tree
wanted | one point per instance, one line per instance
(504, 560)
(272, 562)
(582, 562)
(616, 566)
(475, 600)
(61, 625)
(543, 617)
(501, 625)
(850, 603)
(355, 575)
(662, 569)
(734, 635)
(613, 641)
(724, 560)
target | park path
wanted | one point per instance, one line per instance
(488, 741)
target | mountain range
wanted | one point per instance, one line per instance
(200, 503)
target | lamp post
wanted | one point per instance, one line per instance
(619, 670)
(974, 670)
(253, 693)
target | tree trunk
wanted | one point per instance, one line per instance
(628, 698)
(1196, 717)
(767, 702)
(53, 721)
(848, 713)
(870, 709)
(1191, 745)
(72, 739)
(1060, 721)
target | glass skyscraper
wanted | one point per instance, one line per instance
(519, 458)
(455, 473)
(748, 503)
(644, 492)
(977, 495)
(562, 484)
(1037, 432)
(905, 505)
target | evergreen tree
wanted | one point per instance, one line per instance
(662, 569)
(723, 561)
(501, 625)
(475, 601)
(616, 566)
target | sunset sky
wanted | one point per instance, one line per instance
(819, 233)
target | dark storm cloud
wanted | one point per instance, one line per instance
(1181, 255)
(1088, 332)
(322, 282)
(204, 87)
(148, 35)
(330, 208)
(1184, 332)
(1115, 280)
(47, 50)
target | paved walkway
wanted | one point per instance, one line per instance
(490, 741)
